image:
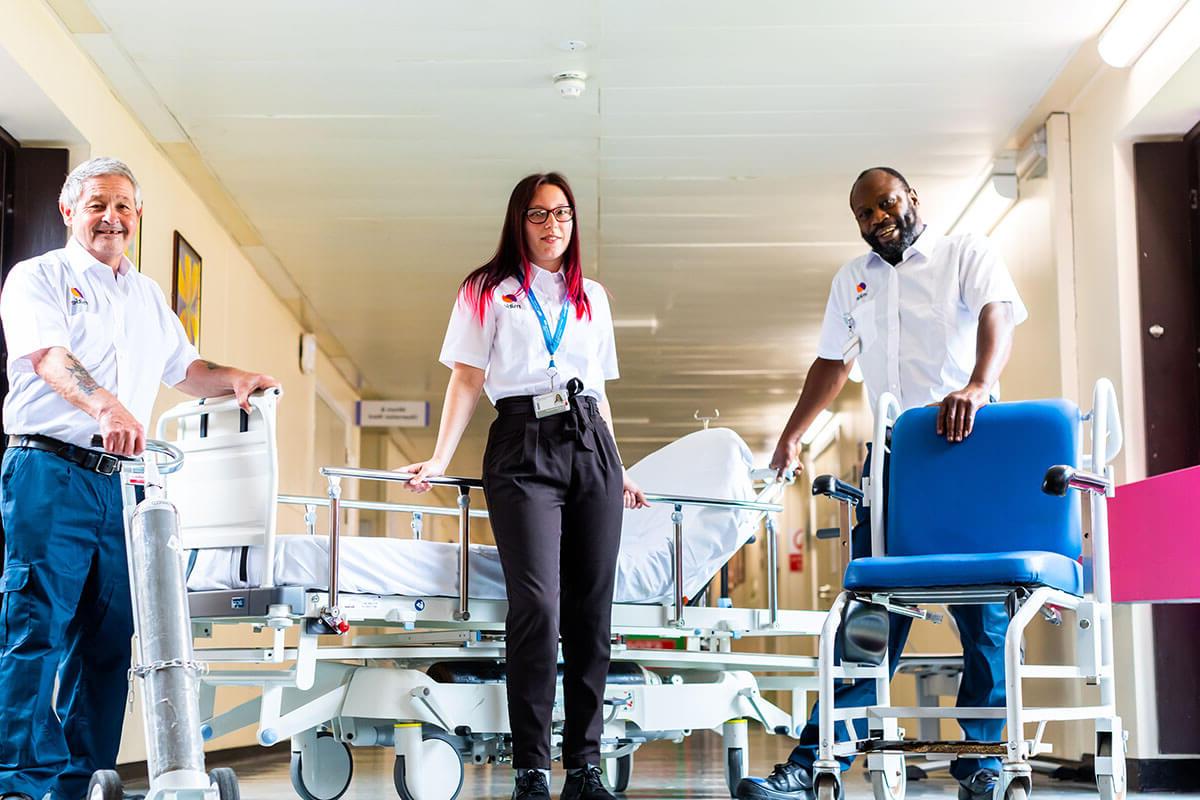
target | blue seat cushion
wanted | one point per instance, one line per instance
(1021, 568)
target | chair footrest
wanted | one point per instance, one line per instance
(918, 746)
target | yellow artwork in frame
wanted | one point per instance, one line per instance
(185, 288)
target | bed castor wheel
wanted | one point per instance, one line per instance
(428, 768)
(324, 770)
(617, 772)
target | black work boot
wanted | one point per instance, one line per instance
(788, 781)
(531, 786)
(585, 784)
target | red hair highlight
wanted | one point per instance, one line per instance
(511, 258)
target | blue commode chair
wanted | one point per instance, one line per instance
(987, 520)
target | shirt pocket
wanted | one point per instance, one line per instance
(91, 338)
(863, 317)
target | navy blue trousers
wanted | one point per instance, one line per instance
(981, 629)
(66, 613)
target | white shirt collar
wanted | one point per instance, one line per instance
(925, 244)
(545, 275)
(81, 260)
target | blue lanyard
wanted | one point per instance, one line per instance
(552, 342)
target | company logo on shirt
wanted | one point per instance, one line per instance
(77, 298)
(510, 301)
(860, 291)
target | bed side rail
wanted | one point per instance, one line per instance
(334, 622)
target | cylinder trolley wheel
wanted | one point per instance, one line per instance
(225, 782)
(106, 785)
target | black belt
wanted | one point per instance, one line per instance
(522, 405)
(578, 421)
(103, 463)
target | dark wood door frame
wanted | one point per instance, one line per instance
(1167, 182)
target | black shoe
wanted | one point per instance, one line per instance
(585, 784)
(788, 781)
(979, 786)
(531, 786)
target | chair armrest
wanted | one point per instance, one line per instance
(841, 491)
(1060, 479)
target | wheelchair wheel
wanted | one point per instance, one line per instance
(827, 787)
(1017, 790)
(617, 772)
(226, 784)
(106, 785)
(329, 774)
(890, 783)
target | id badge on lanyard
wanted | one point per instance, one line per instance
(552, 402)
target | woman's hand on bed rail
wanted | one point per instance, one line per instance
(633, 495)
(421, 471)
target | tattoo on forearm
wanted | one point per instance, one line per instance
(83, 379)
(212, 365)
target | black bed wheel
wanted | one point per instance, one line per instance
(334, 768)
(617, 772)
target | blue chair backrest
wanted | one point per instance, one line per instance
(983, 495)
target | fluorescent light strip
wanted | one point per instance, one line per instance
(824, 418)
(649, 323)
(1133, 28)
(989, 205)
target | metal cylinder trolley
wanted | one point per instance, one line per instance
(165, 663)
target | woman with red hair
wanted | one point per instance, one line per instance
(537, 336)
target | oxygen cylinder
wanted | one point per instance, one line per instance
(171, 707)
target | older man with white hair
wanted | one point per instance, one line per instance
(89, 338)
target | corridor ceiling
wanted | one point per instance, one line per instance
(371, 147)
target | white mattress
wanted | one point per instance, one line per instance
(715, 463)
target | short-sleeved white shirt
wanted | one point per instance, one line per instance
(917, 320)
(118, 326)
(510, 348)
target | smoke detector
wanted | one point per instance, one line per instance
(570, 84)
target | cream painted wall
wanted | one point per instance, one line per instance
(242, 323)
(1030, 239)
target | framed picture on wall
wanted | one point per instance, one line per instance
(134, 253)
(185, 287)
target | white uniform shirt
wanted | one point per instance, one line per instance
(917, 320)
(119, 328)
(510, 348)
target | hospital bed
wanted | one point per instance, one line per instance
(989, 520)
(399, 643)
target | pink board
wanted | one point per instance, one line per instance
(1154, 539)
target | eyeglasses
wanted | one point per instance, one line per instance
(539, 215)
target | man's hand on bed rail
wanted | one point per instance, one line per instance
(633, 495)
(786, 458)
(421, 472)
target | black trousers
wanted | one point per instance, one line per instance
(553, 488)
